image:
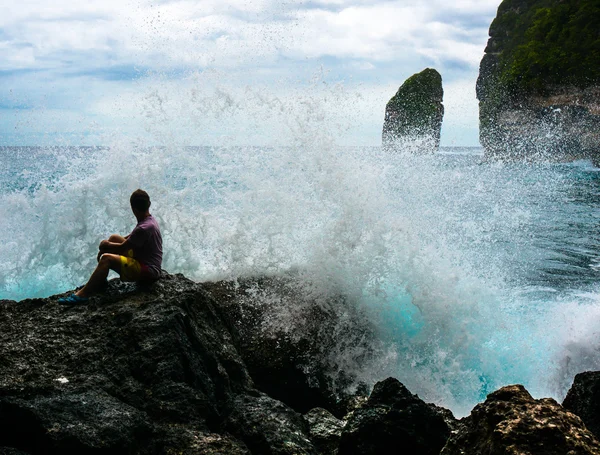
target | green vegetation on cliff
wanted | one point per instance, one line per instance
(547, 42)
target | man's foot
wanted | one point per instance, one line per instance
(73, 299)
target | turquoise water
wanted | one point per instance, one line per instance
(475, 274)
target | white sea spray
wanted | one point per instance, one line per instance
(473, 273)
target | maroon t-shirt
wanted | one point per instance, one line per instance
(147, 245)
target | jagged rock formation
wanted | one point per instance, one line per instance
(539, 82)
(295, 342)
(162, 370)
(176, 369)
(392, 421)
(583, 399)
(413, 117)
(127, 373)
(511, 422)
(325, 430)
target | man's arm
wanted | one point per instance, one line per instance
(115, 248)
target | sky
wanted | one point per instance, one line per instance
(230, 72)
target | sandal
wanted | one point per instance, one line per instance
(73, 299)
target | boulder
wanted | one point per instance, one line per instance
(413, 116)
(301, 344)
(583, 399)
(163, 369)
(268, 426)
(539, 82)
(392, 421)
(325, 430)
(130, 372)
(511, 422)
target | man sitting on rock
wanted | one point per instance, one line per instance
(135, 257)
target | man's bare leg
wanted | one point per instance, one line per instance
(114, 238)
(96, 282)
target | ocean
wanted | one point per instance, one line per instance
(475, 274)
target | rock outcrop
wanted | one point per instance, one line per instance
(392, 421)
(163, 369)
(236, 368)
(583, 399)
(539, 82)
(325, 430)
(300, 343)
(510, 421)
(130, 372)
(413, 117)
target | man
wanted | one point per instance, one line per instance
(136, 257)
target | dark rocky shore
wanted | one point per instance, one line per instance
(188, 368)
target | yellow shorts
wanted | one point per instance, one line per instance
(131, 269)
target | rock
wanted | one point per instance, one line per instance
(301, 344)
(325, 430)
(539, 82)
(200, 443)
(393, 420)
(583, 399)
(269, 427)
(74, 419)
(413, 117)
(163, 369)
(511, 422)
(133, 371)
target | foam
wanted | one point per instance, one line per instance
(443, 254)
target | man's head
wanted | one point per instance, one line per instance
(140, 201)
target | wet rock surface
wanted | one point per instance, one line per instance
(394, 420)
(325, 430)
(510, 421)
(300, 345)
(583, 399)
(269, 426)
(220, 368)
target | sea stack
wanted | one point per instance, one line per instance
(539, 82)
(413, 117)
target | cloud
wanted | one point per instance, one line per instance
(228, 34)
(66, 56)
(386, 32)
(15, 56)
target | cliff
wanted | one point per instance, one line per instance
(247, 366)
(413, 116)
(539, 81)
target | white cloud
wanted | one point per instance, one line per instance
(15, 57)
(386, 32)
(256, 43)
(239, 32)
